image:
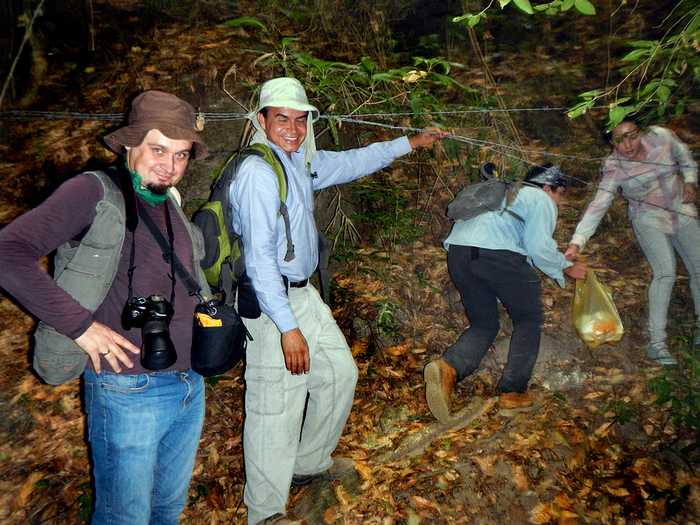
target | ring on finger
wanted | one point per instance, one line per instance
(105, 354)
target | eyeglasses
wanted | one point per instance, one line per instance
(632, 135)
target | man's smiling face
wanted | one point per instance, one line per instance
(284, 127)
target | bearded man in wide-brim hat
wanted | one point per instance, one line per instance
(143, 425)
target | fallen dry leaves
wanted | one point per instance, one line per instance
(569, 460)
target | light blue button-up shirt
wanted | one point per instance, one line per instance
(532, 238)
(255, 204)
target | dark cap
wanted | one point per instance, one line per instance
(547, 175)
(169, 114)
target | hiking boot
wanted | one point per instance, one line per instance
(282, 519)
(340, 467)
(440, 379)
(514, 400)
(658, 353)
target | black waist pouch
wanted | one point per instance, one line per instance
(248, 305)
(219, 338)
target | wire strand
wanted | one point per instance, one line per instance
(503, 149)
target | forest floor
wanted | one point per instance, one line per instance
(596, 447)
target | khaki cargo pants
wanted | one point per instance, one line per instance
(275, 399)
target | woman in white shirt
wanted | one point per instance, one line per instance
(656, 173)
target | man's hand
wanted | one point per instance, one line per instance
(100, 340)
(577, 271)
(572, 252)
(688, 193)
(427, 137)
(296, 352)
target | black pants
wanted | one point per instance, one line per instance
(482, 276)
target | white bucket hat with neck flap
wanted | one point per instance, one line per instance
(287, 92)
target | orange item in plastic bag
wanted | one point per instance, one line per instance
(594, 313)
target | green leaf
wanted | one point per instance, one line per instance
(566, 5)
(694, 25)
(663, 94)
(287, 40)
(462, 18)
(503, 3)
(650, 87)
(384, 77)
(647, 44)
(668, 82)
(584, 7)
(473, 20)
(591, 94)
(580, 109)
(636, 55)
(616, 114)
(368, 65)
(245, 21)
(525, 6)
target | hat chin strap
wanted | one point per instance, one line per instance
(309, 143)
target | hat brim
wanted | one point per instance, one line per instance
(133, 135)
(292, 104)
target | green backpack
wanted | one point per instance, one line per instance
(223, 263)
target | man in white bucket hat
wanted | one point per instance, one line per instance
(297, 347)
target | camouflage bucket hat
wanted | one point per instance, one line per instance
(172, 116)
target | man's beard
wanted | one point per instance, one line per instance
(158, 189)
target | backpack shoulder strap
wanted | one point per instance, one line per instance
(268, 155)
(512, 189)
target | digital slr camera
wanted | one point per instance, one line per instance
(151, 314)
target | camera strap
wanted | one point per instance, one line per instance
(168, 249)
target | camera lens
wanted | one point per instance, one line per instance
(157, 349)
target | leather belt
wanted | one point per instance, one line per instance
(292, 284)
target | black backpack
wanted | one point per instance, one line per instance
(224, 261)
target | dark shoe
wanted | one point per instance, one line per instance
(514, 400)
(282, 519)
(440, 379)
(339, 467)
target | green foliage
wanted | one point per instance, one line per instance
(584, 7)
(623, 412)
(386, 319)
(341, 87)
(678, 387)
(85, 502)
(386, 215)
(658, 76)
(245, 21)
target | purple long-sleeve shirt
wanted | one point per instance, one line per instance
(62, 217)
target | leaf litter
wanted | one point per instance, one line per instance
(570, 459)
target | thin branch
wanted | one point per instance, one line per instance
(232, 69)
(27, 34)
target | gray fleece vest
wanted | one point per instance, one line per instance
(86, 271)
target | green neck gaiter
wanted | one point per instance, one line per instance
(147, 195)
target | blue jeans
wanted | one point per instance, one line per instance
(143, 431)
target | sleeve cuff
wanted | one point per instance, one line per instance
(579, 240)
(81, 328)
(690, 177)
(401, 146)
(285, 320)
